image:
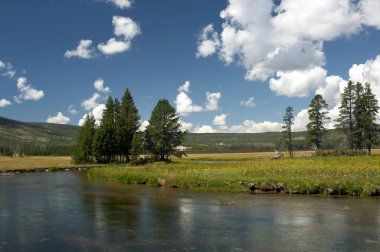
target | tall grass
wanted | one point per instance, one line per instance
(357, 176)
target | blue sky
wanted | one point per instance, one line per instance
(252, 57)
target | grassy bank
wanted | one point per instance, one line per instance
(29, 163)
(357, 176)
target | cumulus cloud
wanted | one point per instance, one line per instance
(250, 102)
(370, 11)
(97, 112)
(27, 91)
(83, 50)
(7, 70)
(205, 129)
(99, 86)
(208, 41)
(298, 83)
(213, 101)
(220, 121)
(185, 125)
(332, 89)
(184, 104)
(125, 29)
(250, 126)
(279, 40)
(121, 4)
(91, 103)
(143, 126)
(185, 87)
(71, 109)
(58, 119)
(4, 103)
(113, 46)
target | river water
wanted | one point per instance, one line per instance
(63, 211)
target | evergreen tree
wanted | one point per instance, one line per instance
(287, 130)
(105, 141)
(127, 124)
(83, 151)
(371, 109)
(137, 147)
(163, 133)
(118, 129)
(346, 119)
(359, 116)
(317, 116)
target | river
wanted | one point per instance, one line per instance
(63, 211)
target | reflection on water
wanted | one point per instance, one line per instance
(65, 212)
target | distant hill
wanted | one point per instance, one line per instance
(57, 139)
(36, 138)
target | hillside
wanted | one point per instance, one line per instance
(36, 138)
(56, 139)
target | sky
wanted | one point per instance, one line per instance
(225, 65)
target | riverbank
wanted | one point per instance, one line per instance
(356, 176)
(38, 163)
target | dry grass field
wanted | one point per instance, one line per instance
(21, 163)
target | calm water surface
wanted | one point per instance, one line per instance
(64, 211)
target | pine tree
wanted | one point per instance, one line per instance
(371, 109)
(105, 141)
(287, 130)
(163, 133)
(83, 151)
(118, 130)
(346, 119)
(137, 147)
(359, 116)
(317, 116)
(127, 124)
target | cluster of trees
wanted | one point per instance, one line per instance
(357, 115)
(117, 139)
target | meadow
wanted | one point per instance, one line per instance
(244, 172)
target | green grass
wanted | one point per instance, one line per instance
(357, 176)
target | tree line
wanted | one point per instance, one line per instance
(117, 138)
(357, 119)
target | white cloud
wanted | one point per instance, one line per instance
(7, 70)
(205, 129)
(298, 83)
(113, 46)
(250, 102)
(370, 11)
(59, 119)
(97, 112)
(125, 27)
(250, 126)
(185, 125)
(83, 50)
(213, 101)
(4, 103)
(208, 41)
(184, 104)
(27, 91)
(71, 109)
(332, 89)
(185, 87)
(220, 121)
(143, 126)
(301, 120)
(91, 102)
(99, 86)
(122, 4)
(285, 39)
